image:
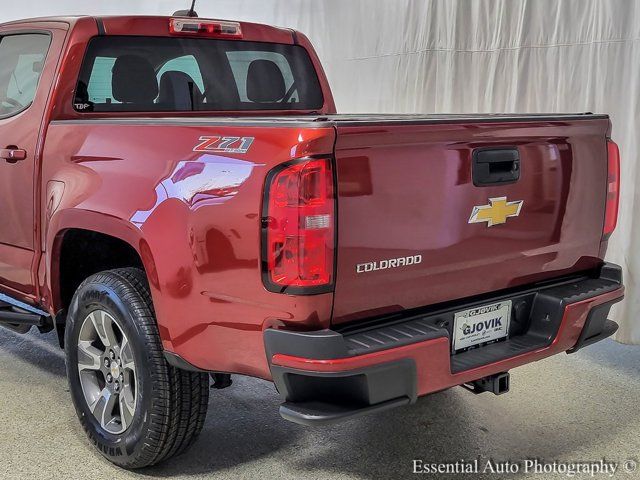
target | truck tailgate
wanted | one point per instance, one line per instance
(407, 192)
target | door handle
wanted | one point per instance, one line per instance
(12, 154)
(495, 166)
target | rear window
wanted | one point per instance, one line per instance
(184, 74)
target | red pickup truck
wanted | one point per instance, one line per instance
(181, 201)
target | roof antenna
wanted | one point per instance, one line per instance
(187, 13)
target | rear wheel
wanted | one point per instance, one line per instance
(136, 408)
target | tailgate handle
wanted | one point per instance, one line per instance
(495, 166)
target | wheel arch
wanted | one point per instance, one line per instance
(80, 243)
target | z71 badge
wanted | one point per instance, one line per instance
(224, 144)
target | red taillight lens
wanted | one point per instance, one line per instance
(208, 28)
(299, 227)
(613, 189)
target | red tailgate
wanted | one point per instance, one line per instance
(406, 191)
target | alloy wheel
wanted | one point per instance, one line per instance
(107, 371)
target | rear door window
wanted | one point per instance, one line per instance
(178, 74)
(21, 62)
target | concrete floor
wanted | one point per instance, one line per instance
(581, 407)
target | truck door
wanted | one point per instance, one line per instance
(28, 58)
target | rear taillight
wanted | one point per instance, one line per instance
(613, 189)
(299, 227)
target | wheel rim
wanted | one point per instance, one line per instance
(107, 371)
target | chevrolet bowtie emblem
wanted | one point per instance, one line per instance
(496, 212)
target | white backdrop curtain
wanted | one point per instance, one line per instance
(438, 56)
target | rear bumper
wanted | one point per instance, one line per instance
(325, 376)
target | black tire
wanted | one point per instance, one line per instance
(171, 403)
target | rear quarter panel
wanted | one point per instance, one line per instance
(194, 217)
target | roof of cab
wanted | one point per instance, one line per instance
(154, 25)
(70, 19)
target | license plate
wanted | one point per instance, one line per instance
(481, 325)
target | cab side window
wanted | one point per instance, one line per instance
(21, 62)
